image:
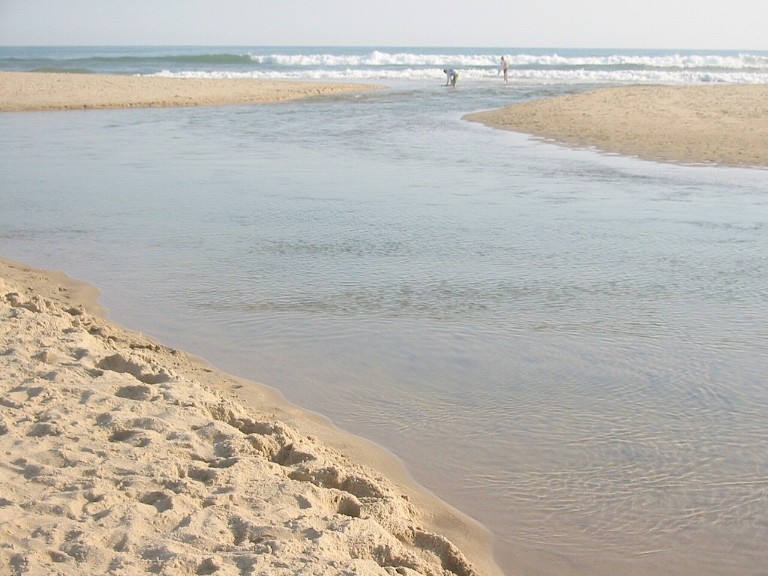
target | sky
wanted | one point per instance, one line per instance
(669, 24)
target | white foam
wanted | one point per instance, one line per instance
(482, 66)
(482, 75)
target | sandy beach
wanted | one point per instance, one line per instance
(725, 125)
(21, 91)
(123, 456)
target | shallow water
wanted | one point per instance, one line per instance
(567, 346)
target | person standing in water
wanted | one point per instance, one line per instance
(504, 67)
(451, 77)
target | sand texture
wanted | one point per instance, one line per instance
(725, 125)
(21, 91)
(122, 456)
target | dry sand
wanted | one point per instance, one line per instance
(121, 456)
(21, 91)
(725, 125)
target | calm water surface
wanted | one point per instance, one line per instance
(569, 347)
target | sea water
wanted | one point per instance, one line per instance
(423, 64)
(568, 346)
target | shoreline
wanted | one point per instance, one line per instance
(722, 125)
(121, 451)
(34, 91)
(710, 124)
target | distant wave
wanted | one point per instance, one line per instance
(101, 61)
(63, 70)
(406, 64)
(215, 59)
(666, 61)
(376, 58)
(399, 59)
(575, 75)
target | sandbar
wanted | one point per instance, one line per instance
(23, 91)
(708, 124)
(124, 456)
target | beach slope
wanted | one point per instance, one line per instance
(21, 91)
(123, 456)
(724, 124)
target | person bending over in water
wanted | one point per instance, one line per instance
(451, 77)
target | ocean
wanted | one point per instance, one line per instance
(568, 346)
(348, 64)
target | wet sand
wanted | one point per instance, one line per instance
(123, 456)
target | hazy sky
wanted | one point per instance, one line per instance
(735, 24)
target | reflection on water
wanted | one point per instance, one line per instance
(568, 347)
